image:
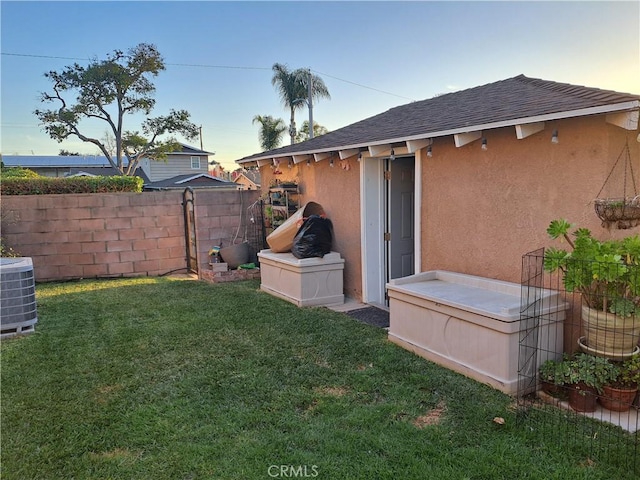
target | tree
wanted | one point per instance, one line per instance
(303, 134)
(293, 87)
(67, 153)
(271, 131)
(109, 142)
(108, 90)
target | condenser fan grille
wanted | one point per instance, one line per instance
(18, 311)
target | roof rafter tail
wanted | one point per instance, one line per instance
(626, 120)
(318, 157)
(527, 129)
(301, 158)
(350, 152)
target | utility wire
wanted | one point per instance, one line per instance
(42, 56)
(220, 66)
(215, 66)
(363, 86)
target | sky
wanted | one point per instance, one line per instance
(372, 56)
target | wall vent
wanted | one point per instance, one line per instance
(18, 314)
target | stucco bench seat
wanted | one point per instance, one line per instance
(304, 282)
(470, 324)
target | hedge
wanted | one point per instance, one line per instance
(50, 185)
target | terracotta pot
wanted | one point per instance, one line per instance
(618, 399)
(583, 398)
(551, 388)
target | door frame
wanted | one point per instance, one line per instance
(372, 226)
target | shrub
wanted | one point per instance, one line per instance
(47, 185)
(17, 172)
(6, 251)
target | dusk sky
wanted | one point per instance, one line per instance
(371, 55)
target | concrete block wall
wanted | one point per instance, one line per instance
(222, 220)
(112, 235)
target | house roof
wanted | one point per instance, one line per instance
(104, 171)
(251, 175)
(55, 161)
(181, 182)
(94, 171)
(514, 101)
(189, 150)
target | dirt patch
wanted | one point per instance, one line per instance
(102, 394)
(432, 417)
(120, 455)
(332, 391)
(322, 363)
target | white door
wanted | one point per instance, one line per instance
(388, 234)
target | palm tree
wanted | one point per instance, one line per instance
(293, 87)
(271, 131)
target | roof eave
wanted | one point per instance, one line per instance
(583, 112)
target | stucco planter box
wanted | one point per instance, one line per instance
(304, 282)
(471, 324)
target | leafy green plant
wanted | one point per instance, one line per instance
(7, 251)
(548, 371)
(17, 172)
(630, 372)
(6, 217)
(555, 372)
(606, 273)
(593, 371)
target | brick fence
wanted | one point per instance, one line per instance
(120, 234)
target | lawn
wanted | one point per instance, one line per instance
(160, 378)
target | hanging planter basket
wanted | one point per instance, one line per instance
(621, 213)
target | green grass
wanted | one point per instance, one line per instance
(158, 378)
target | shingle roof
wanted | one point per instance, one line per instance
(106, 172)
(189, 150)
(98, 171)
(201, 180)
(251, 175)
(507, 102)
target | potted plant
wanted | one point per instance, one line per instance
(622, 213)
(620, 394)
(547, 372)
(586, 375)
(607, 274)
(552, 374)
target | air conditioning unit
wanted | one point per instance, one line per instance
(18, 314)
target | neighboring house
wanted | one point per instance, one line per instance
(188, 167)
(185, 168)
(466, 181)
(189, 160)
(61, 165)
(249, 179)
